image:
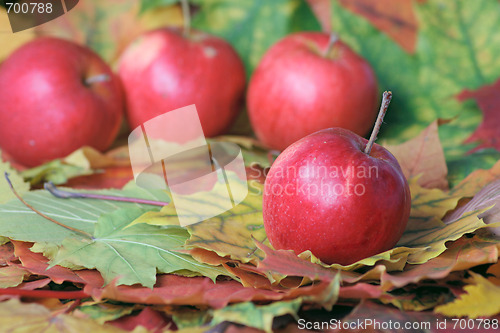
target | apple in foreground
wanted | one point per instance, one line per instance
(307, 82)
(164, 70)
(325, 194)
(55, 97)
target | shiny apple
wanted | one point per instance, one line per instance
(164, 70)
(326, 195)
(55, 97)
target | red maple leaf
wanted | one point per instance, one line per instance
(396, 18)
(488, 100)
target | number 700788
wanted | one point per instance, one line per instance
(475, 324)
(29, 8)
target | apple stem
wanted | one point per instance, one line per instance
(58, 193)
(97, 78)
(331, 42)
(186, 15)
(81, 232)
(386, 100)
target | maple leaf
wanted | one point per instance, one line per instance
(37, 264)
(433, 234)
(430, 203)
(460, 255)
(82, 162)
(258, 316)
(423, 156)
(287, 263)
(229, 233)
(11, 276)
(488, 100)
(486, 198)
(134, 254)
(428, 82)
(20, 223)
(482, 299)
(360, 291)
(396, 18)
(201, 291)
(103, 312)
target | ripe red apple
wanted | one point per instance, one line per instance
(163, 70)
(304, 84)
(56, 96)
(325, 194)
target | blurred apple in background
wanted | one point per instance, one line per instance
(307, 82)
(164, 70)
(55, 97)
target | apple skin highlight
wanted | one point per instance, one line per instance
(324, 194)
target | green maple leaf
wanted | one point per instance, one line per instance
(457, 47)
(134, 254)
(21, 223)
(258, 316)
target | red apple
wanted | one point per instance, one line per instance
(164, 70)
(326, 195)
(55, 97)
(299, 88)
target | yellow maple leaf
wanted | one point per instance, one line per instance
(482, 299)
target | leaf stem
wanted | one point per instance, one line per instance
(186, 15)
(386, 100)
(69, 195)
(83, 233)
(331, 42)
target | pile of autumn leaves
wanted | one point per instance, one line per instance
(223, 269)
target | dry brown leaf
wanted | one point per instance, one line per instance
(396, 18)
(424, 156)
